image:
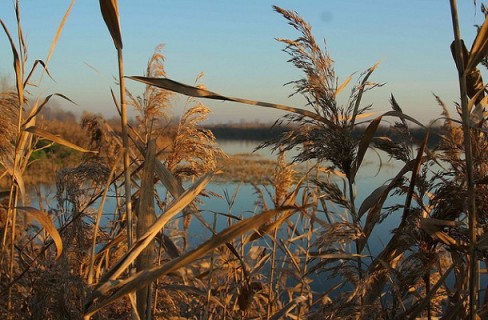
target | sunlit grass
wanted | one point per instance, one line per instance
(75, 259)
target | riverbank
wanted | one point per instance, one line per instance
(242, 167)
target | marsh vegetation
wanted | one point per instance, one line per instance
(64, 262)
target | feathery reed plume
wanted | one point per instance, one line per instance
(319, 84)
(194, 149)
(283, 180)
(9, 114)
(153, 105)
(101, 139)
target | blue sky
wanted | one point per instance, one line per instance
(232, 43)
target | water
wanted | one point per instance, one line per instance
(245, 205)
(370, 177)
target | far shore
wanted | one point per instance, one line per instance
(243, 167)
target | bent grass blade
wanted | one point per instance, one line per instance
(110, 13)
(47, 224)
(49, 136)
(171, 85)
(38, 107)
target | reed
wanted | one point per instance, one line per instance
(17, 147)
(308, 224)
(110, 13)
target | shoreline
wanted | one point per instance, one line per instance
(241, 167)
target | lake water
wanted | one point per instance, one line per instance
(369, 178)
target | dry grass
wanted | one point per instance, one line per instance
(308, 225)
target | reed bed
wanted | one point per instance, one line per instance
(76, 260)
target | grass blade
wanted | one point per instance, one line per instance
(47, 224)
(49, 136)
(342, 86)
(375, 209)
(479, 49)
(341, 256)
(364, 145)
(17, 175)
(140, 279)
(288, 307)
(36, 63)
(361, 91)
(191, 91)
(37, 108)
(110, 13)
(153, 231)
(58, 33)
(145, 218)
(17, 66)
(415, 172)
(373, 198)
(402, 115)
(169, 181)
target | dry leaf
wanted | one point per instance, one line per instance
(47, 224)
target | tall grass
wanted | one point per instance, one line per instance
(309, 225)
(18, 143)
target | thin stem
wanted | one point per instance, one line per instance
(210, 273)
(14, 190)
(357, 223)
(125, 143)
(306, 261)
(97, 222)
(269, 309)
(471, 207)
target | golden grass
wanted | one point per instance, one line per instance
(308, 225)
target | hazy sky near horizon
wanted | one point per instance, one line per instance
(233, 44)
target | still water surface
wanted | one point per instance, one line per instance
(376, 171)
(370, 177)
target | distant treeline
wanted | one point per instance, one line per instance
(268, 132)
(240, 131)
(247, 132)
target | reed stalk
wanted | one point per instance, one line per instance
(471, 205)
(125, 143)
(97, 222)
(19, 66)
(110, 13)
(145, 218)
(306, 261)
(271, 284)
(211, 271)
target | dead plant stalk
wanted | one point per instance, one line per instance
(125, 142)
(471, 206)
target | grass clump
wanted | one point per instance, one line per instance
(135, 259)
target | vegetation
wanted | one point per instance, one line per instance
(78, 261)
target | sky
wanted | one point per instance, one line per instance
(233, 43)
